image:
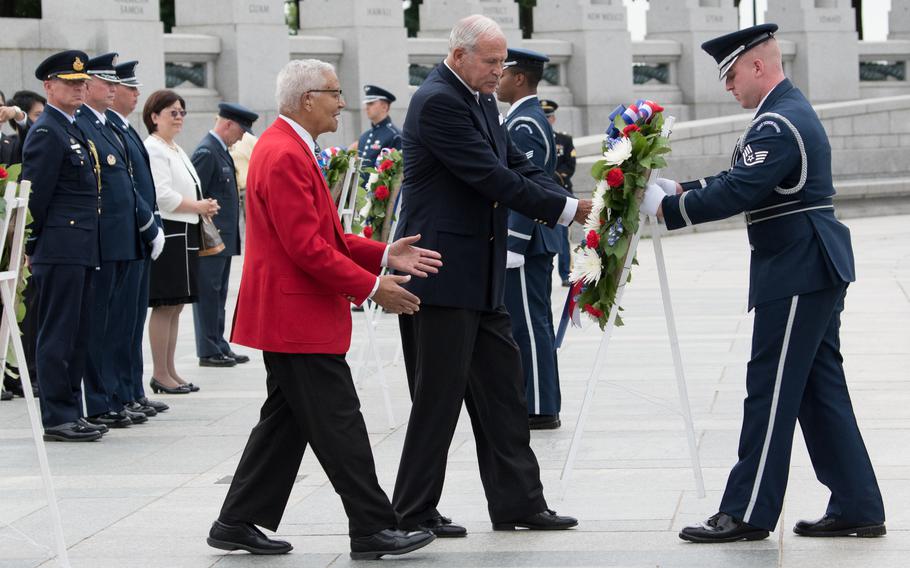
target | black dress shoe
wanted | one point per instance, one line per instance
(543, 421)
(244, 536)
(566, 284)
(443, 527)
(111, 419)
(135, 417)
(70, 432)
(545, 520)
(832, 526)
(388, 541)
(5, 395)
(158, 388)
(722, 528)
(136, 407)
(158, 406)
(219, 360)
(237, 357)
(97, 427)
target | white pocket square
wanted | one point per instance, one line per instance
(502, 119)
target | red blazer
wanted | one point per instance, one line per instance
(299, 267)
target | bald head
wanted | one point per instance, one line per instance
(755, 73)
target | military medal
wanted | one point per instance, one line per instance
(111, 160)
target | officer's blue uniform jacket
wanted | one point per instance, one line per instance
(216, 174)
(532, 134)
(123, 211)
(381, 135)
(780, 178)
(65, 198)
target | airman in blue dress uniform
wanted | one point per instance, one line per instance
(531, 245)
(127, 231)
(802, 262)
(216, 172)
(565, 169)
(63, 249)
(381, 133)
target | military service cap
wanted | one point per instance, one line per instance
(373, 93)
(525, 59)
(69, 65)
(126, 73)
(102, 66)
(548, 106)
(727, 48)
(239, 114)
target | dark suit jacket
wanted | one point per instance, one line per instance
(462, 174)
(216, 174)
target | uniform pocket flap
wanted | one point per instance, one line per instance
(78, 220)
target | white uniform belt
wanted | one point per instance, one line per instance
(787, 208)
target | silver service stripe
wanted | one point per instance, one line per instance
(785, 203)
(534, 373)
(512, 233)
(682, 208)
(546, 143)
(147, 225)
(791, 213)
(774, 400)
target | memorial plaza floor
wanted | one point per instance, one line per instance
(145, 496)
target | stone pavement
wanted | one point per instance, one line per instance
(145, 496)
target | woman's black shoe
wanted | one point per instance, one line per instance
(159, 388)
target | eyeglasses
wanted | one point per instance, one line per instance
(335, 92)
(176, 113)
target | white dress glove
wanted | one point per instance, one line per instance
(668, 185)
(514, 260)
(654, 195)
(158, 244)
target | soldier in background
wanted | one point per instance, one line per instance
(565, 169)
(381, 133)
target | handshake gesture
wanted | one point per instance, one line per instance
(655, 193)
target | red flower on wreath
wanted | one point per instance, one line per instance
(3, 173)
(385, 165)
(592, 239)
(593, 311)
(630, 129)
(615, 178)
(381, 192)
(368, 232)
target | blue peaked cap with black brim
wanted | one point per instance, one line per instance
(727, 48)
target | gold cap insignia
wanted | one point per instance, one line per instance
(78, 65)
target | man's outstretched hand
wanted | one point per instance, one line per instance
(395, 299)
(583, 210)
(404, 257)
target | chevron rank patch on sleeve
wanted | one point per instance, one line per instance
(754, 157)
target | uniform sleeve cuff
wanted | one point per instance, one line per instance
(375, 287)
(568, 212)
(383, 263)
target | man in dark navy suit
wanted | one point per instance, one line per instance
(127, 228)
(60, 162)
(381, 133)
(531, 246)
(802, 261)
(216, 172)
(462, 175)
(126, 96)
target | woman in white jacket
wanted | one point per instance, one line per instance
(173, 278)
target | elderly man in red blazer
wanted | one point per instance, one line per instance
(300, 274)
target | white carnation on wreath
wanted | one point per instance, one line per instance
(619, 151)
(587, 266)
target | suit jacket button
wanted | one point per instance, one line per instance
(72, 222)
(495, 204)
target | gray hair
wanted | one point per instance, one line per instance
(296, 78)
(466, 33)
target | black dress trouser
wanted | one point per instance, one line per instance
(453, 355)
(311, 400)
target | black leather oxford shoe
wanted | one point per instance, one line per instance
(544, 421)
(722, 528)
(111, 419)
(218, 360)
(388, 541)
(240, 359)
(135, 417)
(833, 526)
(244, 536)
(96, 427)
(545, 520)
(135, 407)
(5, 395)
(443, 527)
(71, 432)
(158, 406)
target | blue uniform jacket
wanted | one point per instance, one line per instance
(121, 205)
(142, 177)
(64, 202)
(533, 135)
(375, 138)
(461, 174)
(781, 178)
(216, 174)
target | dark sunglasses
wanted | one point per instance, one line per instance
(176, 113)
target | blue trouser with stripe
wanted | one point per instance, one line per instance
(527, 297)
(796, 373)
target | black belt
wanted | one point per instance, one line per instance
(787, 208)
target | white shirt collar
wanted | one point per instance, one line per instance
(518, 103)
(302, 132)
(470, 90)
(764, 98)
(218, 138)
(100, 115)
(121, 117)
(69, 117)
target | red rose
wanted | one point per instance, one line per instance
(630, 129)
(385, 164)
(3, 173)
(592, 240)
(381, 193)
(593, 311)
(368, 232)
(615, 178)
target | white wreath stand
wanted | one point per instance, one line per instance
(9, 331)
(600, 358)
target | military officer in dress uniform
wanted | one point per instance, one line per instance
(802, 261)
(216, 172)
(127, 229)
(60, 161)
(531, 245)
(381, 133)
(565, 169)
